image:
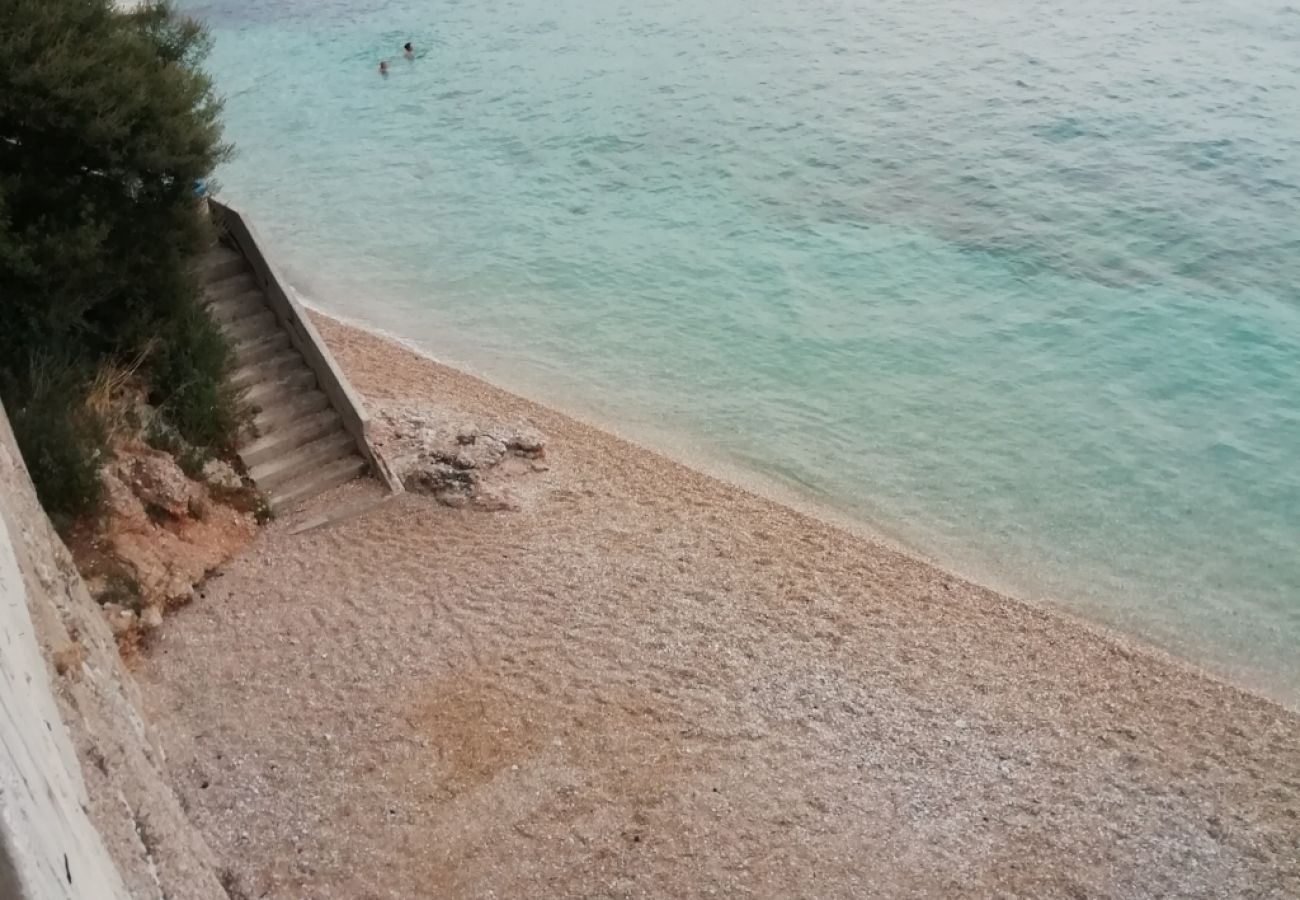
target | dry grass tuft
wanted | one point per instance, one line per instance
(112, 394)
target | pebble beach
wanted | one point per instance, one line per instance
(625, 678)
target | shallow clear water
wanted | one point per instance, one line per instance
(1016, 282)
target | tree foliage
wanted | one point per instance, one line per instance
(106, 123)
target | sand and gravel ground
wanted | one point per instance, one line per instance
(646, 683)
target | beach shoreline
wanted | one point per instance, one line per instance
(627, 678)
(690, 455)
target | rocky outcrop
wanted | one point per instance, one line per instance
(462, 465)
(159, 534)
(167, 529)
(113, 773)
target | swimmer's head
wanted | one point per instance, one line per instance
(383, 67)
(408, 48)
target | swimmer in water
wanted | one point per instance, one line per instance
(383, 67)
(408, 51)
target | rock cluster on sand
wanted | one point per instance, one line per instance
(459, 464)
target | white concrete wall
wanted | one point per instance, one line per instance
(84, 788)
(48, 848)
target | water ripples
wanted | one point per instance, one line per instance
(1016, 283)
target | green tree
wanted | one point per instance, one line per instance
(106, 123)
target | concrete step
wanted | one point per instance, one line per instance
(322, 479)
(270, 368)
(260, 324)
(284, 440)
(230, 287)
(288, 384)
(281, 470)
(219, 263)
(230, 309)
(284, 411)
(260, 348)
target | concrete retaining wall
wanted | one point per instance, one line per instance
(48, 847)
(87, 810)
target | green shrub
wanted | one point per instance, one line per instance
(62, 442)
(106, 123)
(188, 372)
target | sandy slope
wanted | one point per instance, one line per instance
(645, 683)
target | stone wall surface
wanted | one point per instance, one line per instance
(87, 810)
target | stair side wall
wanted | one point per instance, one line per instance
(306, 339)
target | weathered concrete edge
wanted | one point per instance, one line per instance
(49, 848)
(306, 339)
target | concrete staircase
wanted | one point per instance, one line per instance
(297, 446)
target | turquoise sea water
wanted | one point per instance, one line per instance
(1016, 282)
